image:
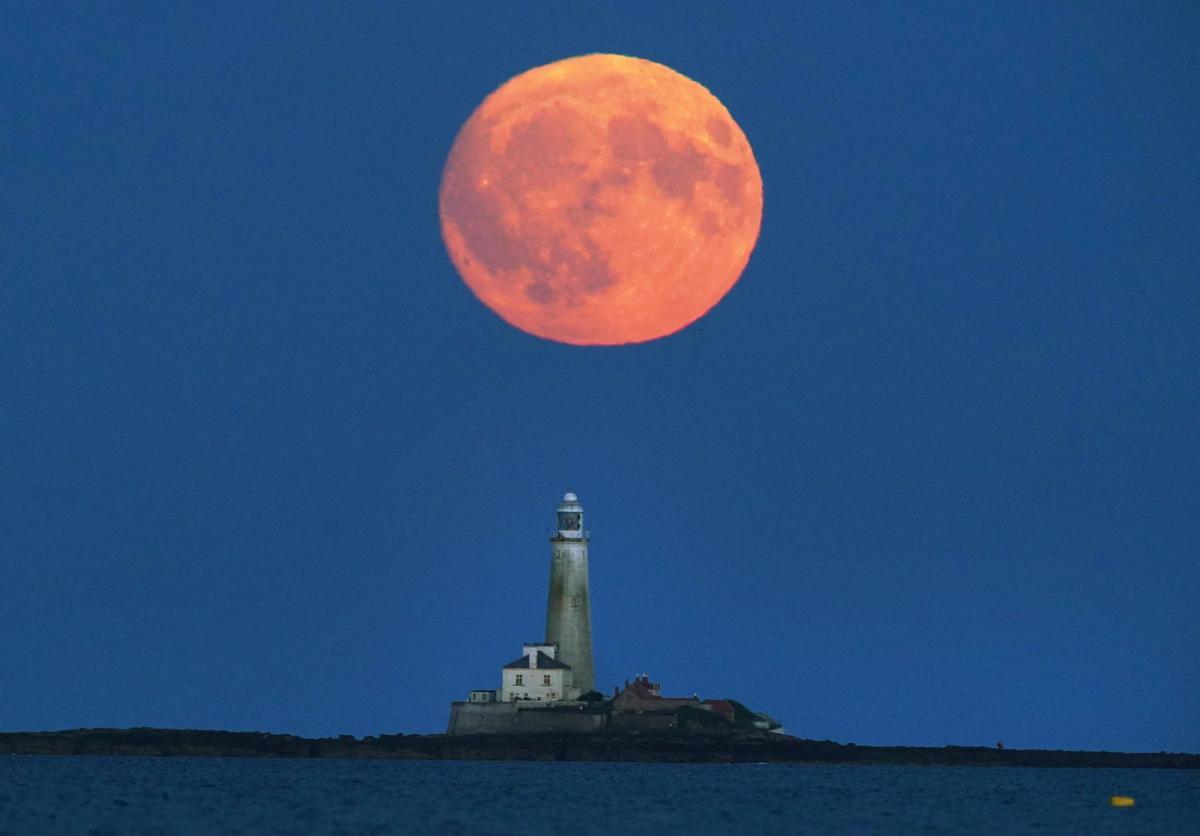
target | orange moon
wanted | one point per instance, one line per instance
(600, 200)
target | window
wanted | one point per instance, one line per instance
(520, 680)
(546, 679)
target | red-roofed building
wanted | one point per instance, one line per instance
(724, 708)
(646, 696)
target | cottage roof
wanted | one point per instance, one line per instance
(543, 661)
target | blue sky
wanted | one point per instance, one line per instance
(927, 475)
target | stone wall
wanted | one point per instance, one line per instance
(552, 720)
(538, 718)
(482, 717)
(512, 717)
(637, 721)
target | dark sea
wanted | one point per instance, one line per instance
(259, 796)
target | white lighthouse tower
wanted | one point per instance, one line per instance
(568, 611)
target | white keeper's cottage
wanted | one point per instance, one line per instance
(538, 676)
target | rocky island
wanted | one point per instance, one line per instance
(695, 746)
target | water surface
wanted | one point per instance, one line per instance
(99, 795)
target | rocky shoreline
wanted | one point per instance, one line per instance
(665, 747)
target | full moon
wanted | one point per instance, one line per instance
(600, 200)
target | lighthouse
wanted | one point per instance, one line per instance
(568, 611)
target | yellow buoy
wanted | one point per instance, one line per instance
(1121, 801)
